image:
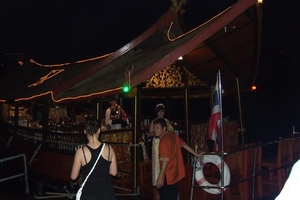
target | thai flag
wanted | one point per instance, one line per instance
(215, 119)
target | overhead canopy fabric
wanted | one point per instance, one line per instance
(229, 42)
(25, 81)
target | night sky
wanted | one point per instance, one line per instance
(53, 31)
(65, 31)
(274, 108)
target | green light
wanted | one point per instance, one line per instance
(126, 88)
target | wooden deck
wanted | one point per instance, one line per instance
(185, 190)
(14, 190)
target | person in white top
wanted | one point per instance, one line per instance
(291, 191)
(113, 115)
(160, 111)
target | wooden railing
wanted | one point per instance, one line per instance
(258, 162)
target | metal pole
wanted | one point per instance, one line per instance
(98, 111)
(136, 135)
(26, 175)
(134, 140)
(187, 121)
(254, 171)
(17, 175)
(221, 133)
(240, 109)
(194, 160)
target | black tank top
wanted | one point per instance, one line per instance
(99, 185)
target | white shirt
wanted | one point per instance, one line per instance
(291, 189)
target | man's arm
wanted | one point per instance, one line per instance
(161, 177)
(189, 149)
(107, 117)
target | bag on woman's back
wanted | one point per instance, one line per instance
(78, 195)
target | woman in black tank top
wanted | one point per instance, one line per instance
(98, 185)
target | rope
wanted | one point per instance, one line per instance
(9, 141)
(35, 152)
(141, 144)
(132, 145)
(55, 195)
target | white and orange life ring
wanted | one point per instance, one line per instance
(216, 160)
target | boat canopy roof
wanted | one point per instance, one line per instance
(229, 42)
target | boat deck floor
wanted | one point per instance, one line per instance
(15, 190)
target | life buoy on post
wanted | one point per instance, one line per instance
(216, 160)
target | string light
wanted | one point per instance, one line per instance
(54, 73)
(66, 98)
(66, 64)
(48, 76)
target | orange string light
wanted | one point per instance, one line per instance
(46, 77)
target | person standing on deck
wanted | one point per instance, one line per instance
(291, 190)
(99, 184)
(171, 160)
(160, 111)
(113, 115)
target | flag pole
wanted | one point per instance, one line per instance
(221, 110)
(215, 128)
(221, 133)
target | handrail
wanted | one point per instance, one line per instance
(242, 149)
(17, 175)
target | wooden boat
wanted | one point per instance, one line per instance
(144, 60)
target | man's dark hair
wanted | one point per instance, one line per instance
(91, 125)
(160, 121)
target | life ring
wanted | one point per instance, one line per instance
(216, 160)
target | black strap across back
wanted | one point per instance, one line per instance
(85, 157)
